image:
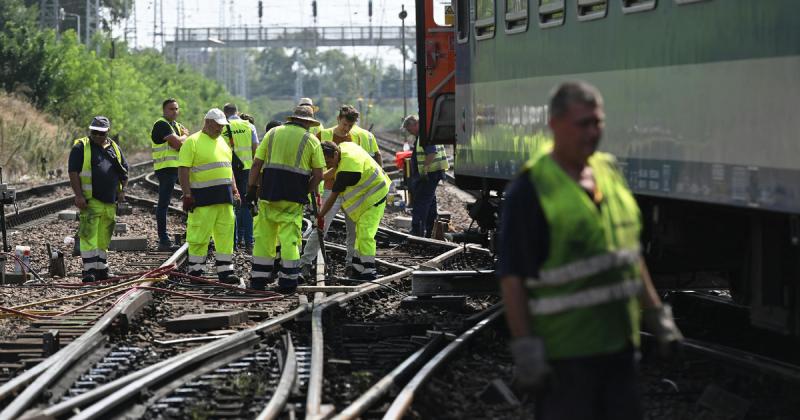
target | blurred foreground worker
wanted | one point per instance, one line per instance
(572, 275)
(289, 162)
(428, 166)
(345, 121)
(363, 187)
(98, 174)
(243, 140)
(309, 103)
(166, 138)
(209, 194)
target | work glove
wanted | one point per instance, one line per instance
(532, 371)
(423, 175)
(659, 322)
(188, 203)
(252, 195)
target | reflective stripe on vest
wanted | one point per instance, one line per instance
(86, 169)
(163, 155)
(212, 161)
(584, 268)
(287, 166)
(297, 159)
(439, 162)
(372, 186)
(242, 141)
(585, 298)
(568, 279)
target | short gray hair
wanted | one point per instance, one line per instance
(569, 93)
(408, 120)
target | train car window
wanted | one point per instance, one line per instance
(592, 9)
(462, 20)
(484, 19)
(634, 6)
(688, 1)
(443, 13)
(551, 13)
(516, 16)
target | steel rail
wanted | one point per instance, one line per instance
(314, 407)
(38, 190)
(55, 366)
(403, 401)
(742, 358)
(113, 394)
(288, 378)
(393, 379)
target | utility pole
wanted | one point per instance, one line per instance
(49, 15)
(403, 15)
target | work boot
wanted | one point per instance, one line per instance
(88, 276)
(248, 248)
(103, 274)
(350, 272)
(365, 276)
(167, 245)
(286, 286)
(229, 279)
(259, 283)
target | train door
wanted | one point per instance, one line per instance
(436, 71)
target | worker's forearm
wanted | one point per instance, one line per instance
(648, 297)
(378, 158)
(75, 183)
(255, 171)
(316, 177)
(328, 204)
(183, 178)
(515, 301)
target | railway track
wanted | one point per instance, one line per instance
(79, 373)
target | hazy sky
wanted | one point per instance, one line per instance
(207, 13)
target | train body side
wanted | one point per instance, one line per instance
(700, 97)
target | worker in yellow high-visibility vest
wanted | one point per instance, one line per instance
(209, 194)
(241, 135)
(289, 164)
(363, 187)
(166, 138)
(98, 174)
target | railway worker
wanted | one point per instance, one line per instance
(242, 137)
(289, 163)
(209, 194)
(166, 137)
(309, 103)
(572, 276)
(98, 174)
(363, 187)
(428, 167)
(341, 132)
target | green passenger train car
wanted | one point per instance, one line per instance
(701, 99)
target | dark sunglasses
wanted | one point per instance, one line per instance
(98, 133)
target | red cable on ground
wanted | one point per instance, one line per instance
(223, 285)
(206, 299)
(20, 313)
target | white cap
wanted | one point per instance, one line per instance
(217, 116)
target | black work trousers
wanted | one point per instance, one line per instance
(604, 387)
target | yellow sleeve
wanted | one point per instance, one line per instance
(186, 154)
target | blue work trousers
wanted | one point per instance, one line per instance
(167, 177)
(244, 220)
(423, 212)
